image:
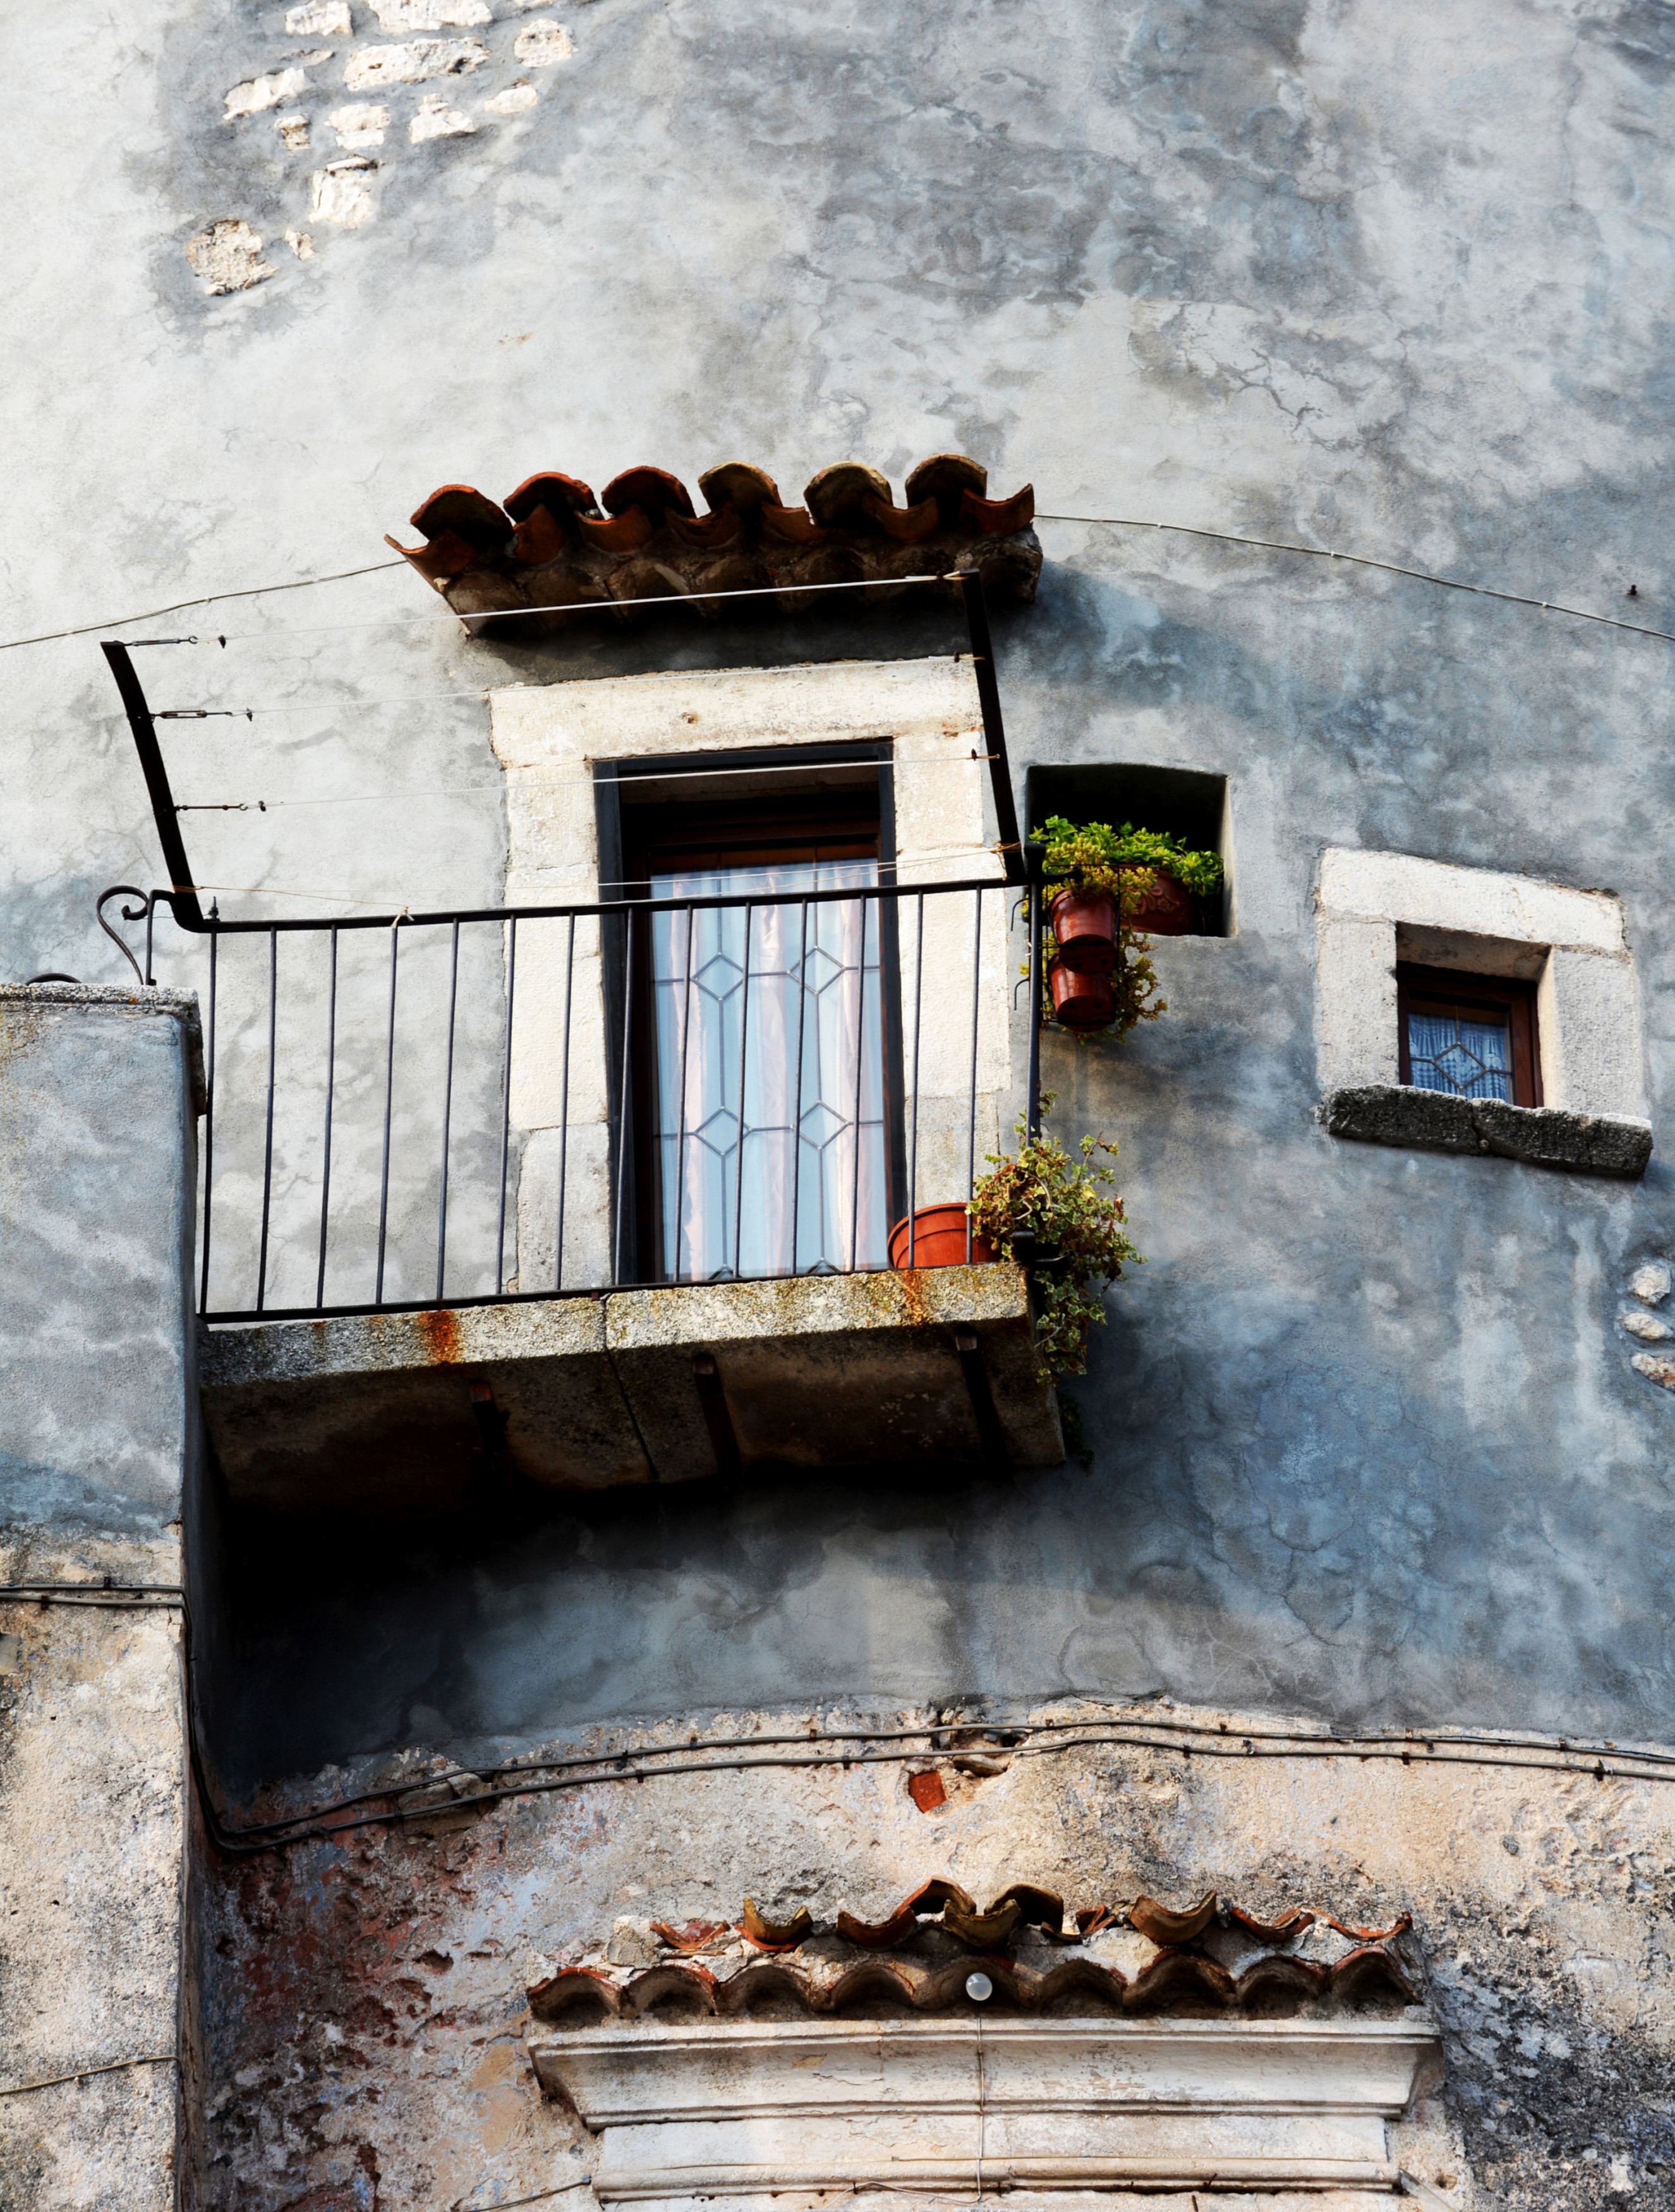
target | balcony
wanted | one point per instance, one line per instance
(599, 1189)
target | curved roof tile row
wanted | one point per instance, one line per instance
(553, 546)
(586, 1995)
(1209, 1954)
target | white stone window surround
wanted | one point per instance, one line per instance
(1374, 909)
(945, 2109)
(548, 740)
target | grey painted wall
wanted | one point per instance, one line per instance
(96, 1138)
(1365, 1438)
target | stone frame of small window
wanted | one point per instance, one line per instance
(1374, 911)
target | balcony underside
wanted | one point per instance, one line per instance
(417, 1412)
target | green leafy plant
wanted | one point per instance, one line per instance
(1125, 861)
(1067, 1205)
(1093, 855)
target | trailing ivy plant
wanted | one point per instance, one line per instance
(1067, 1204)
(1092, 853)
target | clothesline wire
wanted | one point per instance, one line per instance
(1100, 522)
(567, 783)
(567, 607)
(513, 913)
(1366, 560)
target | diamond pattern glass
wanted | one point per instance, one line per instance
(1460, 1051)
(769, 1120)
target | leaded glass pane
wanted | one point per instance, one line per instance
(769, 1114)
(1461, 1051)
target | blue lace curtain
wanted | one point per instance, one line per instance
(1460, 1053)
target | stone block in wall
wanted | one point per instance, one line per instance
(1541, 1136)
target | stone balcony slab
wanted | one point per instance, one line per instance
(393, 1412)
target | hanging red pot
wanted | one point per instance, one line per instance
(1084, 928)
(939, 1239)
(1080, 1000)
(1162, 907)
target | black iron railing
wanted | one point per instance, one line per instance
(455, 1108)
(415, 1111)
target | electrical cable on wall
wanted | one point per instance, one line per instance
(86, 2074)
(1363, 561)
(1098, 521)
(208, 600)
(1186, 1739)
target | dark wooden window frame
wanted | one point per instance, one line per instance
(1507, 996)
(644, 837)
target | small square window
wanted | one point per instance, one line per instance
(1470, 1037)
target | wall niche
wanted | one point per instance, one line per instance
(1188, 803)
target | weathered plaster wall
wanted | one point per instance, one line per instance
(96, 1098)
(97, 1430)
(368, 2020)
(1366, 1436)
(91, 1815)
(1367, 1440)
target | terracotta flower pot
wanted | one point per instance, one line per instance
(1164, 908)
(1084, 928)
(1080, 1000)
(939, 1239)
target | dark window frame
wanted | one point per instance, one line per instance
(792, 821)
(1507, 995)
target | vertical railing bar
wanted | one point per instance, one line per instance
(448, 1117)
(389, 1094)
(739, 1171)
(1037, 896)
(861, 1048)
(325, 1146)
(680, 1121)
(267, 1152)
(619, 1271)
(912, 1139)
(564, 1101)
(505, 1102)
(976, 1008)
(797, 1093)
(208, 1116)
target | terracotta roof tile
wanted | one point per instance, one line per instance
(560, 494)
(1145, 1957)
(654, 490)
(550, 549)
(740, 484)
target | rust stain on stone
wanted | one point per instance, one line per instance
(439, 1332)
(912, 1291)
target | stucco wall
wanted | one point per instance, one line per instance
(97, 1447)
(1365, 1434)
(373, 2042)
(1366, 1440)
